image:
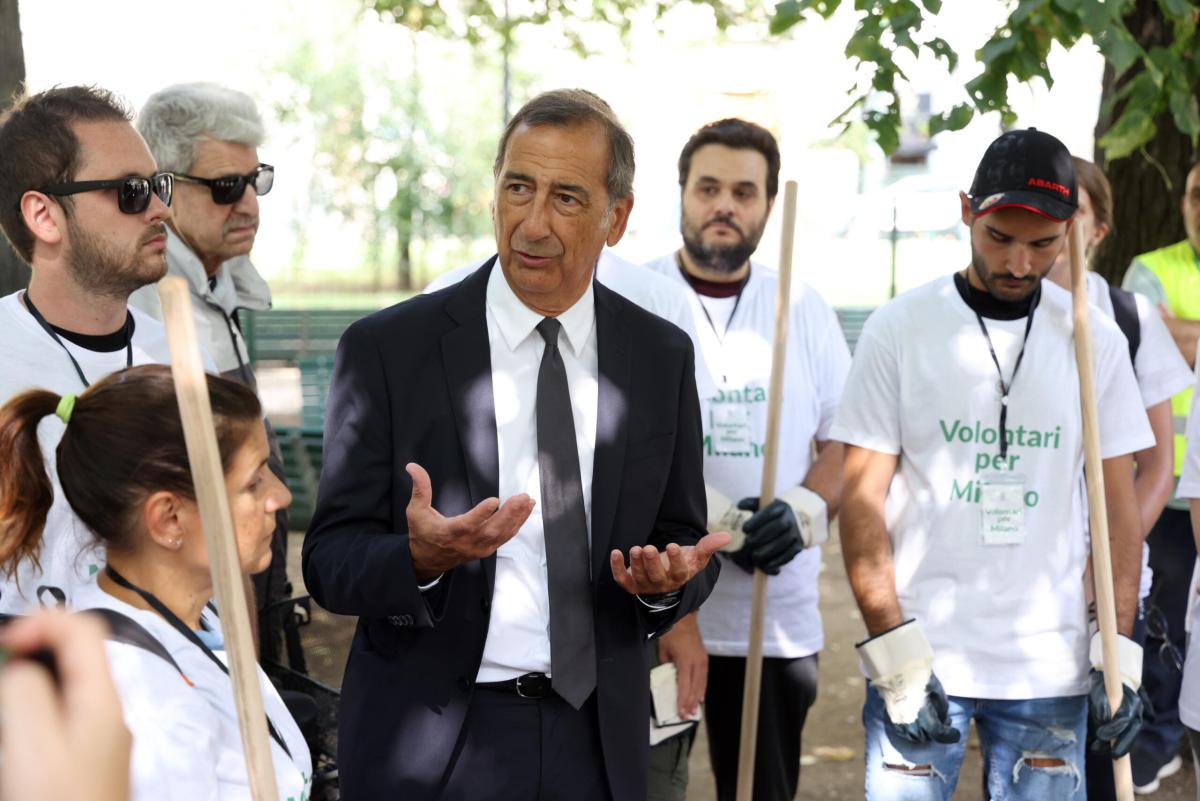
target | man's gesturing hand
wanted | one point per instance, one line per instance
(653, 573)
(440, 543)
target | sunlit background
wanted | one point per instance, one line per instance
(383, 138)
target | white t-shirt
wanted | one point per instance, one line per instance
(1005, 621)
(650, 291)
(33, 360)
(1189, 487)
(1189, 691)
(1158, 366)
(187, 745)
(733, 375)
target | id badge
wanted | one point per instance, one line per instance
(731, 429)
(1002, 508)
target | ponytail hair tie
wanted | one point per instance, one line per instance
(66, 405)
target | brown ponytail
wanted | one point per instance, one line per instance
(123, 443)
(25, 489)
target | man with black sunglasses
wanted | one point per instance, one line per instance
(83, 202)
(208, 136)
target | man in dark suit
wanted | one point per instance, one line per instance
(497, 656)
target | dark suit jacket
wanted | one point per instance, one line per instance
(413, 384)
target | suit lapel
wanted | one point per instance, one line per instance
(612, 421)
(466, 359)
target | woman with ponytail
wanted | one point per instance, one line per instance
(123, 468)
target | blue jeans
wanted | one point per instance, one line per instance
(1010, 733)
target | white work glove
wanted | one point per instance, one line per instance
(1115, 734)
(899, 663)
(724, 514)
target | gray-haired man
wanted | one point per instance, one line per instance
(208, 136)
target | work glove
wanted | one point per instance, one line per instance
(808, 509)
(1115, 734)
(899, 663)
(772, 537)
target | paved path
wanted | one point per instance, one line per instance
(832, 762)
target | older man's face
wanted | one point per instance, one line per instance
(217, 232)
(552, 213)
(1191, 208)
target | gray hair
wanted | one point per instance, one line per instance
(564, 108)
(176, 119)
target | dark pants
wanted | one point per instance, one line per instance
(669, 767)
(521, 749)
(789, 688)
(1172, 555)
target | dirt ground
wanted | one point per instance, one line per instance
(832, 763)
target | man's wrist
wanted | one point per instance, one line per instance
(661, 601)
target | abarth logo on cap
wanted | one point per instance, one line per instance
(1041, 183)
(990, 200)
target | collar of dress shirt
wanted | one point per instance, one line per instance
(517, 321)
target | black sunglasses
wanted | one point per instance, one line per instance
(229, 188)
(133, 192)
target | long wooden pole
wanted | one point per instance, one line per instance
(1106, 609)
(753, 685)
(195, 409)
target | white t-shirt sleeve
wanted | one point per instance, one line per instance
(831, 360)
(1124, 427)
(869, 413)
(1161, 370)
(1189, 479)
(175, 749)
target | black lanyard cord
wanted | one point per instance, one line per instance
(191, 636)
(37, 315)
(1006, 387)
(736, 302)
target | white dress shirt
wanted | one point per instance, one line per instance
(518, 640)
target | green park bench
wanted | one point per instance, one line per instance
(287, 335)
(309, 339)
(852, 320)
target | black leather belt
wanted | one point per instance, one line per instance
(531, 685)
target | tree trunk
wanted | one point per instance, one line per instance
(1145, 208)
(14, 273)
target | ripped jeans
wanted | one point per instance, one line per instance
(1032, 751)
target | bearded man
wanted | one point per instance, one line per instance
(728, 178)
(83, 203)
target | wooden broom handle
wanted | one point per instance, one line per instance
(1106, 610)
(204, 458)
(753, 686)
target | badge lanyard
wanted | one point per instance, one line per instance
(719, 336)
(192, 637)
(37, 315)
(1006, 387)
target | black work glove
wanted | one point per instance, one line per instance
(933, 721)
(772, 537)
(1115, 734)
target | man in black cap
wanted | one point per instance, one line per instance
(963, 513)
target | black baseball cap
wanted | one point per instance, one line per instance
(1028, 169)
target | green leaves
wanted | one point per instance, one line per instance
(1134, 128)
(1176, 8)
(953, 120)
(1185, 111)
(791, 12)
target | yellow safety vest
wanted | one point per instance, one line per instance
(1178, 269)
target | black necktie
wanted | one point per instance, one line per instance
(564, 525)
